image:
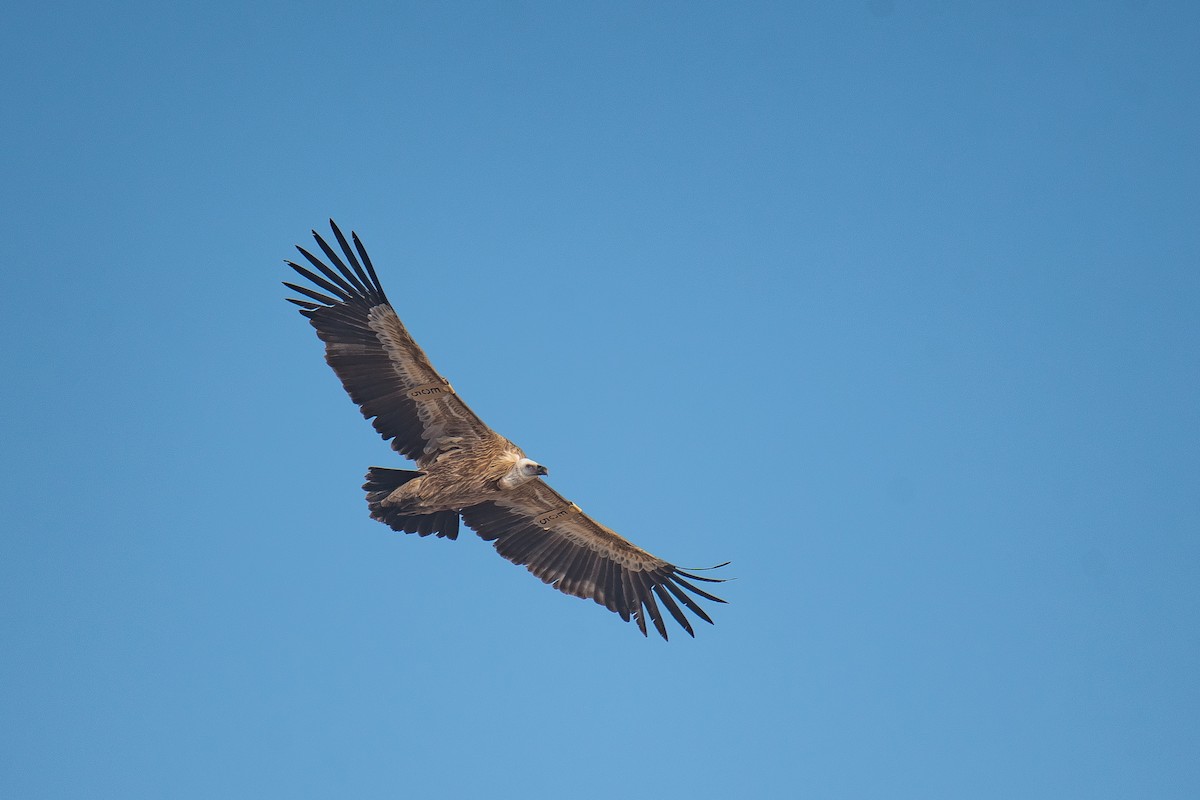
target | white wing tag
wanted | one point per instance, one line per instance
(550, 517)
(430, 391)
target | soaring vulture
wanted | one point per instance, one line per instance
(464, 468)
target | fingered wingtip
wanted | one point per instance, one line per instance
(691, 573)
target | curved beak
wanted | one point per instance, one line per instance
(542, 470)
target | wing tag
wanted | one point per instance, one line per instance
(550, 517)
(429, 391)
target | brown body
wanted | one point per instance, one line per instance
(464, 468)
(464, 477)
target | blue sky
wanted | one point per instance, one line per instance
(894, 304)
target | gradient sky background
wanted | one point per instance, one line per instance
(894, 304)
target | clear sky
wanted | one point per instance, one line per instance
(896, 305)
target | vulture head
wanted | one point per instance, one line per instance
(522, 472)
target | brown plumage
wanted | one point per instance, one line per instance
(464, 468)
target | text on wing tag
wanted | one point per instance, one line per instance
(429, 390)
(551, 517)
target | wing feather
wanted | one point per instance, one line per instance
(580, 557)
(362, 252)
(320, 298)
(669, 602)
(602, 581)
(345, 285)
(695, 589)
(355, 284)
(692, 605)
(303, 303)
(650, 606)
(373, 354)
(614, 592)
(639, 613)
(581, 582)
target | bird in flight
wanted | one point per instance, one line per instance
(464, 468)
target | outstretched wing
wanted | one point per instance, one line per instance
(381, 367)
(535, 526)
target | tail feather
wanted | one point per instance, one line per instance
(381, 482)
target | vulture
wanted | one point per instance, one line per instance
(464, 468)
